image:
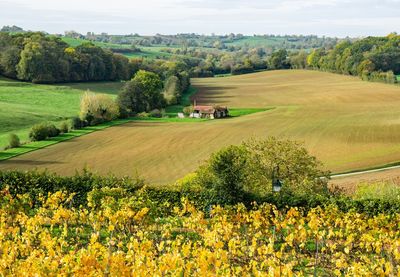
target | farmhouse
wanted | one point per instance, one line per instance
(209, 112)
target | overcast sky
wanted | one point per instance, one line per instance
(322, 17)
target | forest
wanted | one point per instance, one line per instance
(372, 58)
(39, 58)
(42, 58)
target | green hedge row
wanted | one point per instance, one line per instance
(160, 200)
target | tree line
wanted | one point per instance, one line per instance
(371, 58)
(39, 58)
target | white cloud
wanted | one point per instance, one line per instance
(324, 17)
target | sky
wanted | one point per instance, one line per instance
(335, 18)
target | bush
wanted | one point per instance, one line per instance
(97, 108)
(156, 113)
(64, 127)
(13, 141)
(143, 115)
(97, 188)
(52, 130)
(42, 131)
(241, 69)
(37, 183)
(187, 110)
(380, 190)
(96, 121)
(77, 123)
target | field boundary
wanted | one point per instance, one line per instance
(36, 145)
(385, 167)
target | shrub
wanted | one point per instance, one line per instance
(156, 113)
(37, 183)
(42, 131)
(381, 190)
(96, 121)
(77, 123)
(13, 141)
(187, 110)
(143, 115)
(52, 130)
(64, 127)
(98, 108)
(97, 188)
(241, 69)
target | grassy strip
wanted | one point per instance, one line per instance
(36, 145)
(169, 119)
(223, 75)
(398, 78)
(235, 112)
(367, 169)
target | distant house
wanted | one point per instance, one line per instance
(209, 112)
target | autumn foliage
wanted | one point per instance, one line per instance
(116, 236)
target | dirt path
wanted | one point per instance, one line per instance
(349, 181)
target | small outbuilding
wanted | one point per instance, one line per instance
(209, 112)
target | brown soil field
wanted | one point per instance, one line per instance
(347, 123)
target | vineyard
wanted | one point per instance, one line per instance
(122, 236)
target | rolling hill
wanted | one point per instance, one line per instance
(345, 122)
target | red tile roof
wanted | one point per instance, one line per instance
(204, 109)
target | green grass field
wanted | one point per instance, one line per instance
(146, 52)
(398, 78)
(347, 123)
(257, 41)
(76, 41)
(24, 104)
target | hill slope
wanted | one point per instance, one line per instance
(345, 122)
(24, 104)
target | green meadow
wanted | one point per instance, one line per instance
(24, 104)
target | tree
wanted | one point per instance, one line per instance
(151, 86)
(42, 60)
(299, 60)
(132, 99)
(251, 166)
(314, 58)
(279, 60)
(96, 108)
(299, 171)
(224, 175)
(172, 90)
(9, 59)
